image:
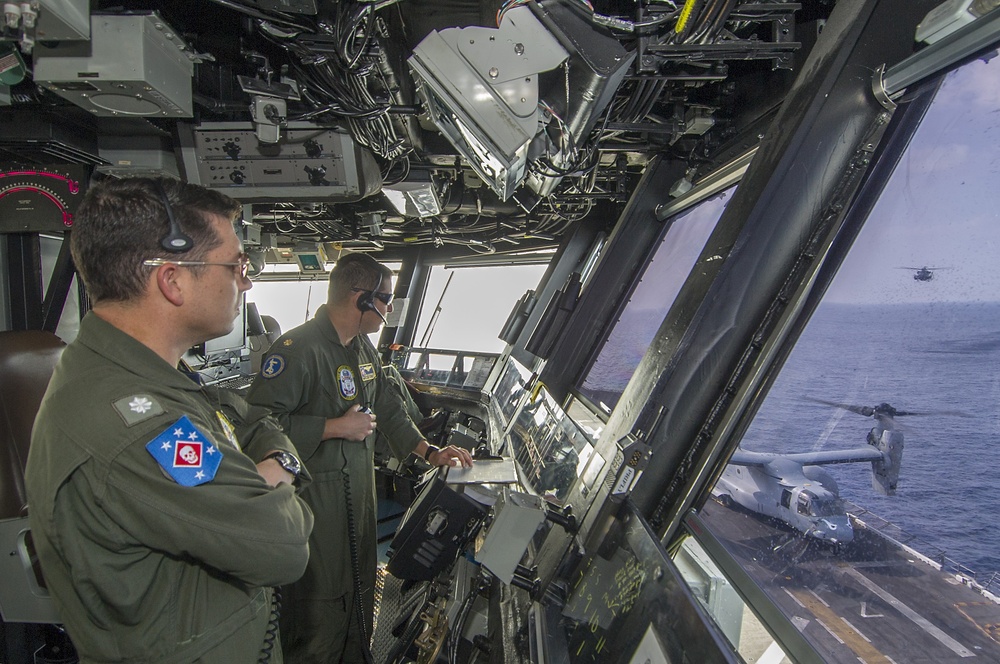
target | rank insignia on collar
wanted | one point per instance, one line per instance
(287, 342)
(185, 454)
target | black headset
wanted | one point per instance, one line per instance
(366, 301)
(175, 241)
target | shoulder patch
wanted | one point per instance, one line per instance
(185, 454)
(137, 408)
(348, 386)
(273, 366)
(367, 372)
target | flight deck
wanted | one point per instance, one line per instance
(874, 592)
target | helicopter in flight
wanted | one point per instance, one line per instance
(795, 488)
(923, 273)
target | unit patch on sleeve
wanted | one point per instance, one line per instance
(186, 455)
(273, 366)
(348, 386)
(137, 408)
(367, 372)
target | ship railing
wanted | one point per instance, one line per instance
(989, 582)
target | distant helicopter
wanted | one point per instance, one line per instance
(923, 273)
(794, 489)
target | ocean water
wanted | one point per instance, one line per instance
(940, 361)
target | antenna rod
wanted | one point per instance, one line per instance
(434, 317)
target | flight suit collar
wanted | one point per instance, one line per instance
(329, 332)
(127, 352)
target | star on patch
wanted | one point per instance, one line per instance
(184, 457)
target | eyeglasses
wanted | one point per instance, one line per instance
(242, 266)
(384, 298)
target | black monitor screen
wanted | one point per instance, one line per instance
(235, 339)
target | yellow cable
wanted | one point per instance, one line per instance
(685, 15)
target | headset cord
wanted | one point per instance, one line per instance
(352, 538)
(271, 636)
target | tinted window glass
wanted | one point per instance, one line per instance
(892, 388)
(642, 316)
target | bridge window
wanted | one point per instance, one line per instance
(640, 318)
(465, 308)
(899, 356)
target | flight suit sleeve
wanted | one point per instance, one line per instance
(393, 420)
(257, 431)
(284, 394)
(233, 522)
(396, 381)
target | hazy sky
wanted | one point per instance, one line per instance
(476, 305)
(940, 208)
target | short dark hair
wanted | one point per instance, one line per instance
(120, 223)
(355, 271)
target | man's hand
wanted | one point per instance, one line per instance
(352, 425)
(273, 473)
(451, 456)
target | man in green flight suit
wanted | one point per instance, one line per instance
(323, 382)
(163, 512)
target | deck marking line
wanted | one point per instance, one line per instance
(865, 614)
(860, 633)
(832, 633)
(951, 643)
(794, 598)
(821, 600)
(891, 660)
(851, 638)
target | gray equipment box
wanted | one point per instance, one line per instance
(133, 65)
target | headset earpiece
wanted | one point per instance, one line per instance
(176, 241)
(366, 301)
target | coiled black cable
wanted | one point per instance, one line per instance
(271, 635)
(352, 539)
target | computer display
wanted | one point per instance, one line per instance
(235, 340)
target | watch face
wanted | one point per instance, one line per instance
(288, 462)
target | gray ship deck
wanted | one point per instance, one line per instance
(874, 602)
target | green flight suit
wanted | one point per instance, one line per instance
(307, 377)
(141, 567)
(412, 409)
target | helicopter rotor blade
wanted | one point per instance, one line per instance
(886, 410)
(866, 411)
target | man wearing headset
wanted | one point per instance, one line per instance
(323, 382)
(163, 511)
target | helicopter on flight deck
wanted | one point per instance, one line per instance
(923, 273)
(796, 490)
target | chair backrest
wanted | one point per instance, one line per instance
(272, 330)
(27, 360)
(261, 342)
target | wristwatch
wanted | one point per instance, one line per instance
(431, 449)
(287, 461)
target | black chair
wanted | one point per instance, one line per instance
(27, 360)
(260, 342)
